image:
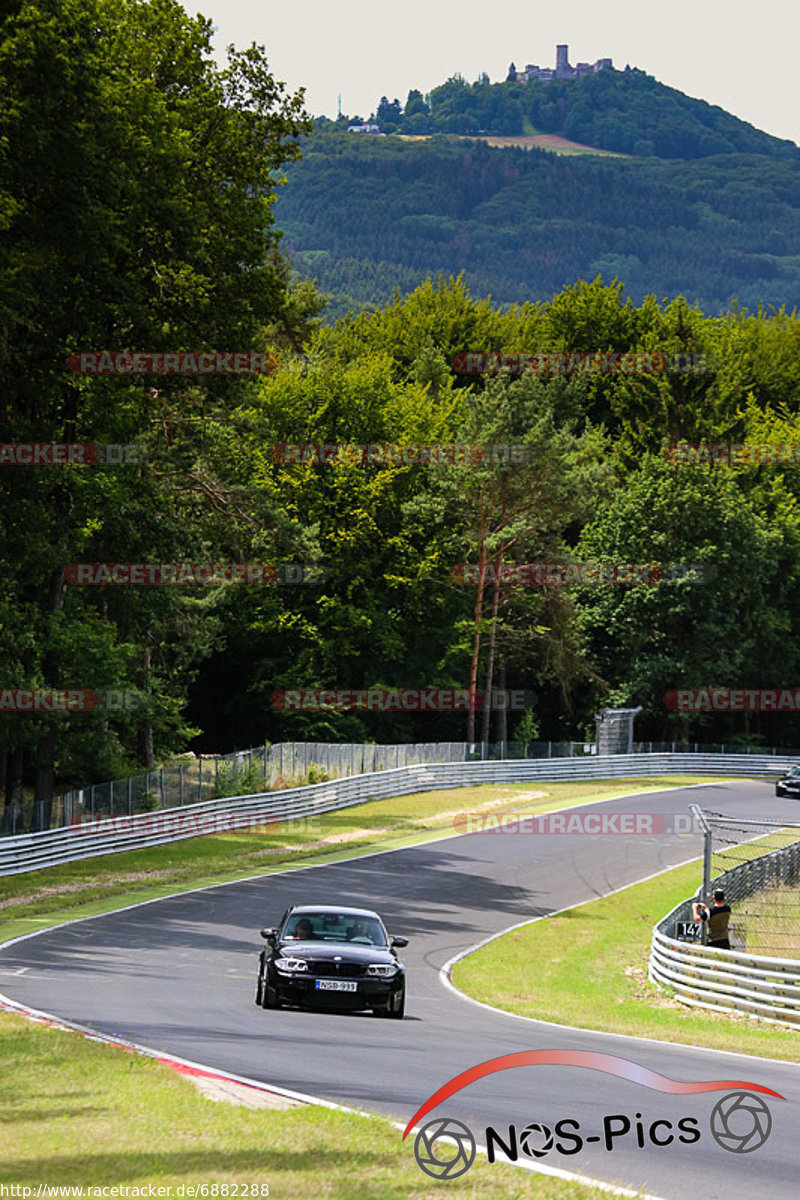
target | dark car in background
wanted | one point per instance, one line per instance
(332, 957)
(789, 785)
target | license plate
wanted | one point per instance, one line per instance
(336, 985)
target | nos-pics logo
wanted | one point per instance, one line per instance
(445, 1148)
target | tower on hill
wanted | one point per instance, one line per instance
(562, 68)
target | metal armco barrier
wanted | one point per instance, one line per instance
(33, 851)
(706, 977)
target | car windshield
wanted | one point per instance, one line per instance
(334, 927)
(795, 771)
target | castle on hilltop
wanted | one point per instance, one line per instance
(562, 69)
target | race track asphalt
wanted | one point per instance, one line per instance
(179, 974)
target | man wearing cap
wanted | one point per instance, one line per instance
(718, 917)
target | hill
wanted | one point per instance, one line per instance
(367, 216)
(627, 111)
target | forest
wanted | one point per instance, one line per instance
(366, 216)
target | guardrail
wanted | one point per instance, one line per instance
(34, 851)
(273, 765)
(193, 780)
(709, 977)
(724, 980)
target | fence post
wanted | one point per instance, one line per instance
(200, 778)
(130, 795)
(92, 799)
(266, 770)
(111, 798)
(162, 788)
(180, 785)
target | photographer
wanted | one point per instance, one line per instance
(718, 917)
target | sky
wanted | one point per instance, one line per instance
(738, 54)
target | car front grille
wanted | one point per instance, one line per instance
(324, 968)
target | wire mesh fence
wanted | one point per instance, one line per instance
(244, 772)
(287, 764)
(757, 865)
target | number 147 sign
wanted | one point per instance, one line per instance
(688, 931)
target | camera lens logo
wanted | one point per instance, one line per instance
(439, 1159)
(534, 1133)
(741, 1122)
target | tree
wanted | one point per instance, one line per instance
(494, 508)
(415, 105)
(389, 116)
(173, 247)
(725, 626)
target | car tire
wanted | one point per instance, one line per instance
(393, 1010)
(271, 999)
(398, 1011)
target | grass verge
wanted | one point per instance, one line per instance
(82, 889)
(77, 1113)
(588, 967)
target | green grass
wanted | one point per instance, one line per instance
(588, 968)
(77, 1113)
(95, 885)
(771, 921)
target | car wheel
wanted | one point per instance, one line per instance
(270, 998)
(397, 1010)
(260, 984)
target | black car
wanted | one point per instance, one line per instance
(789, 785)
(340, 958)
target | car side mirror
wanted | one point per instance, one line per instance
(399, 942)
(268, 933)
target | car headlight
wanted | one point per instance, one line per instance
(383, 971)
(291, 964)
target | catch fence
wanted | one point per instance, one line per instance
(192, 780)
(30, 851)
(757, 864)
